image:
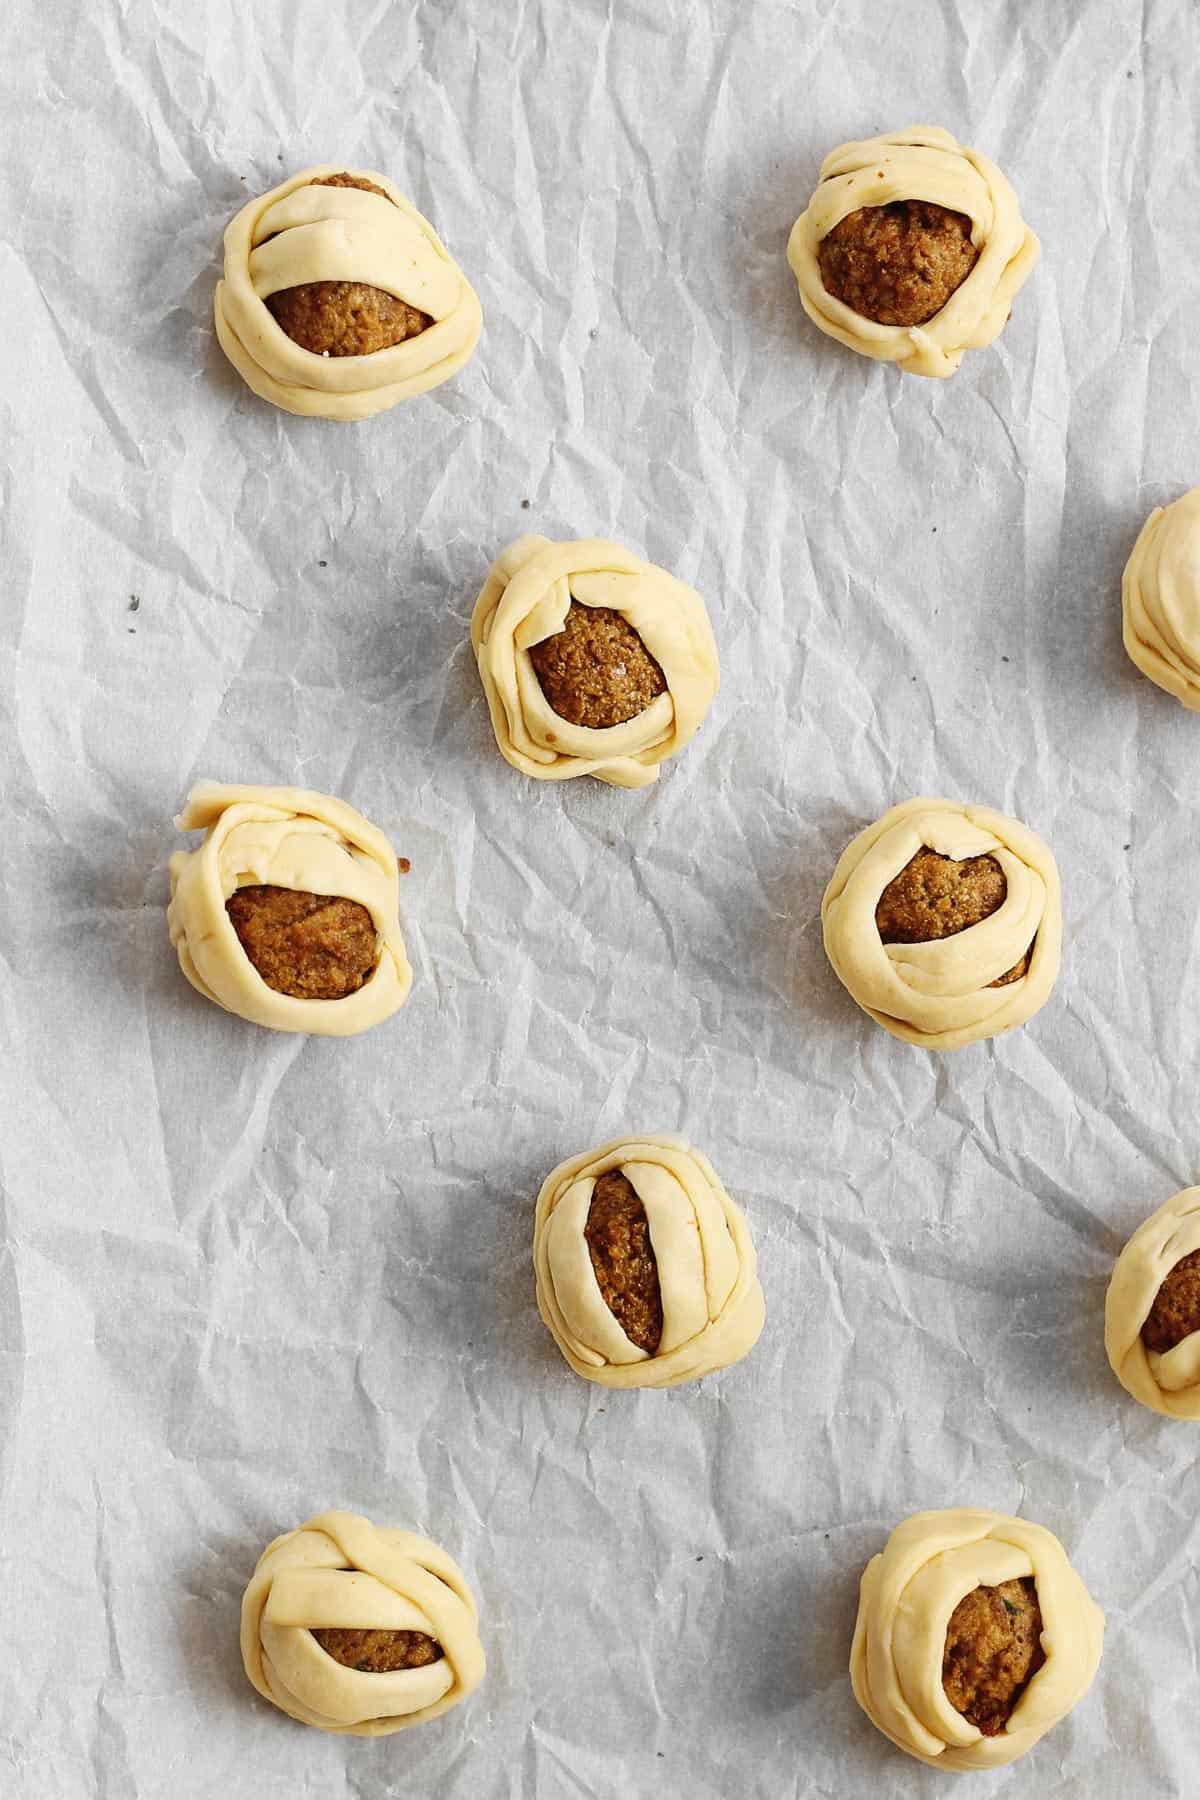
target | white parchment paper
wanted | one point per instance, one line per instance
(246, 1277)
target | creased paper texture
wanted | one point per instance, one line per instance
(247, 1277)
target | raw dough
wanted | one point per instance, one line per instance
(339, 1571)
(924, 163)
(930, 1563)
(1160, 599)
(282, 837)
(299, 233)
(712, 1305)
(1168, 1383)
(940, 994)
(526, 598)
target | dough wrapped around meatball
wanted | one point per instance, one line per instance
(1160, 599)
(911, 249)
(354, 1628)
(287, 913)
(970, 1616)
(646, 1273)
(944, 923)
(593, 661)
(1152, 1312)
(339, 298)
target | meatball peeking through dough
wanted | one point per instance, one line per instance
(911, 250)
(974, 1637)
(355, 1628)
(345, 318)
(944, 922)
(339, 299)
(593, 661)
(934, 897)
(646, 1273)
(897, 264)
(1152, 1310)
(287, 912)
(993, 1647)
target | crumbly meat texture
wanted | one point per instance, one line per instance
(379, 1652)
(311, 946)
(993, 1648)
(618, 1241)
(345, 318)
(897, 264)
(596, 671)
(1176, 1310)
(935, 897)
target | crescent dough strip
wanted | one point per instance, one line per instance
(713, 1307)
(923, 163)
(282, 837)
(908, 1592)
(525, 599)
(1169, 1383)
(1160, 599)
(339, 1570)
(299, 233)
(938, 994)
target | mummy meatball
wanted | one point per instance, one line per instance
(593, 661)
(944, 923)
(339, 299)
(1160, 599)
(286, 913)
(974, 1637)
(358, 1629)
(1152, 1312)
(911, 250)
(646, 1274)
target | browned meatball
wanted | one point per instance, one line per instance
(311, 946)
(897, 264)
(379, 1652)
(993, 1647)
(935, 897)
(1176, 1310)
(596, 671)
(618, 1241)
(345, 318)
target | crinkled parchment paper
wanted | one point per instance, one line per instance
(246, 1276)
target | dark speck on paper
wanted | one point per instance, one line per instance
(403, 864)
(1006, 659)
(135, 600)
(524, 506)
(321, 563)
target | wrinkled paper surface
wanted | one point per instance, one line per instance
(246, 1277)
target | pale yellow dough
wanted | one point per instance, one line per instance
(1160, 599)
(341, 1572)
(712, 1304)
(1167, 1383)
(938, 994)
(282, 837)
(908, 1592)
(923, 163)
(298, 234)
(526, 597)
